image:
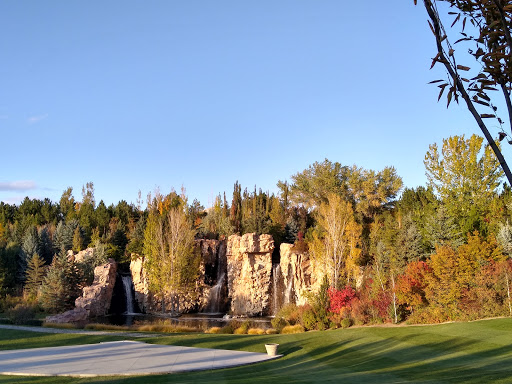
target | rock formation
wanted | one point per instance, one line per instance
(249, 267)
(140, 282)
(81, 256)
(96, 298)
(76, 315)
(240, 273)
(300, 274)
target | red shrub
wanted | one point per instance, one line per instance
(340, 299)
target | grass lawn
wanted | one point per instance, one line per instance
(477, 352)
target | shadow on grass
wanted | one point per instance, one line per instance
(348, 356)
(10, 339)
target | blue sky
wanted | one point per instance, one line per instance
(135, 95)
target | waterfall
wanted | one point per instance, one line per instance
(215, 296)
(276, 271)
(127, 285)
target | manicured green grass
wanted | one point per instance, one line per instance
(478, 352)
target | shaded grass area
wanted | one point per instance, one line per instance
(478, 352)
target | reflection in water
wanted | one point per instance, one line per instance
(195, 320)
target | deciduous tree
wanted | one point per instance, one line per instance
(336, 220)
(485, 28)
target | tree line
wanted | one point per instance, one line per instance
(395, 248)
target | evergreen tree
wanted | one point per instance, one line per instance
(409, 242)
(29, 247)
(216, 222)
(441, 229)
(61, 285)
(102, 218)
(136, 238)
(8, 264)
(236, 209)
(64, 235)
(46, 248)
(78, 240)
(35, 273)
(67, 204)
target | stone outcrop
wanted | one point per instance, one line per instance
(140, 283)
(239, 275)
(249, 267)
(300, 274)
(81, 256)
(96, 298)
(76, 315)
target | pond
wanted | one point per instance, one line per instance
(195, 320)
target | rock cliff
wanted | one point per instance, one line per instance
(140, 283)
(96, 298)
(300, 274)
(249, 268)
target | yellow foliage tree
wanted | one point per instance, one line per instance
(337, 245)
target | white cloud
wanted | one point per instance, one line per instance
(13, 200)
(36, 118)
(20, 185)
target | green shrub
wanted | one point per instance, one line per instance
(290, 313)
(346, 322)
(243, 328)
(9, 302)
(279, 323)
(271, 331)
(308, 319)
(227, 329)
(21, 314)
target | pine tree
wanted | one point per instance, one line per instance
(46, 248)
(236, 209)
(442, 229)
(29, 247)
(64, 235)
(35, 273)
(78, 241)
(61, 285)
(136, 238)
(408, 242)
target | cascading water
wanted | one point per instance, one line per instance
(127, 285)
(276, 273)
(215, 296)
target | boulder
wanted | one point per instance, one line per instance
(96, 298)
(76, 315)
(84, 255)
